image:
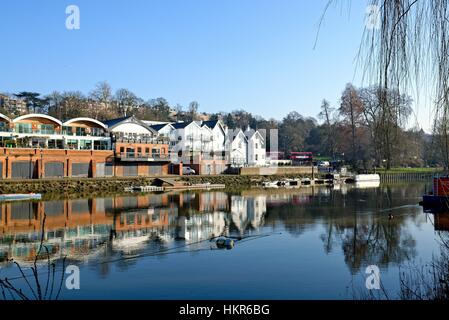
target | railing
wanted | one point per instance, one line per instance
(141, 140)
(143, 156)
(84, 134)
(35, 131)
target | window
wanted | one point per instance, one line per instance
(67, 130)
(72, 144)
(85, 145)
(46, 128)
(240, 145)
(100, 145)
(23, 128)
(3, 127)
(122, 149)
(257, 146)
(81, 132)
(96, 132)
(139, 150)
(147, 150)
(257, 157)
(55, 144)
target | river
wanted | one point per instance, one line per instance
(308, 243)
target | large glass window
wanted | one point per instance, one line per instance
(81, 131)
(97, 132)
(72, 144)
(46, 129)
(23, 127)
(55, 144)
(100, 145)
(4, 127)
(85, 145)
(67, 131)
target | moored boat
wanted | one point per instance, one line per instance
(438, 198)
(20, 196)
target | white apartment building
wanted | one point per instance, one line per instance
(237, 148)
(256, 148)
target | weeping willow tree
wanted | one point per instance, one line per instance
(407, 49)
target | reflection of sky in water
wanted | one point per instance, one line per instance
(316, 244)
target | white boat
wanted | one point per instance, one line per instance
(20, 196)
(367, 184)
(270, 184)
(366, 177)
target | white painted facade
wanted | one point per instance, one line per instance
(131, 129)
(256, 148)
(237, 148)
(188, 137)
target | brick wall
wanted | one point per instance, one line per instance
(17, 163)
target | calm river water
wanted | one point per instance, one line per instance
(309, 243)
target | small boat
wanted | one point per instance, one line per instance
(438, 198)
(270, 184)
(20, 196)
(367, 177)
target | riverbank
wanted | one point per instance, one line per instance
(95, 186)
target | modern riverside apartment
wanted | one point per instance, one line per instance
(40, 146)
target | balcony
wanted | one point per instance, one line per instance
(136, 156)
(36, 131)
(143, 140)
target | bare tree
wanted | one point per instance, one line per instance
(351, 110)
(326, 115)
(102, 95)
(126, 101)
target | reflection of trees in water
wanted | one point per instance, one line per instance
(358, 223)
(428, 281)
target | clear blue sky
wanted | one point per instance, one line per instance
(253, 54)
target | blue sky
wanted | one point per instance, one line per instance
(256, 55)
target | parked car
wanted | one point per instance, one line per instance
(324, 164)
(188, 171)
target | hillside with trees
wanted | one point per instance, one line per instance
(357, 130)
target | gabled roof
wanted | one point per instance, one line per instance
(251, 133)
(182, 125)
(130, 119)
(232, 137)
(113, 122)
(212, 124)
(158, 127)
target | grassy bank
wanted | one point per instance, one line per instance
(410, 170)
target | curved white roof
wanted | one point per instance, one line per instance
(85, 119)
(37, 115)
(5, 117)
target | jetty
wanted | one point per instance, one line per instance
(167, 184)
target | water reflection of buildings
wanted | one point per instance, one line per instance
(83, 228)
(78, 228)
(248, 211)
(441, 221)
